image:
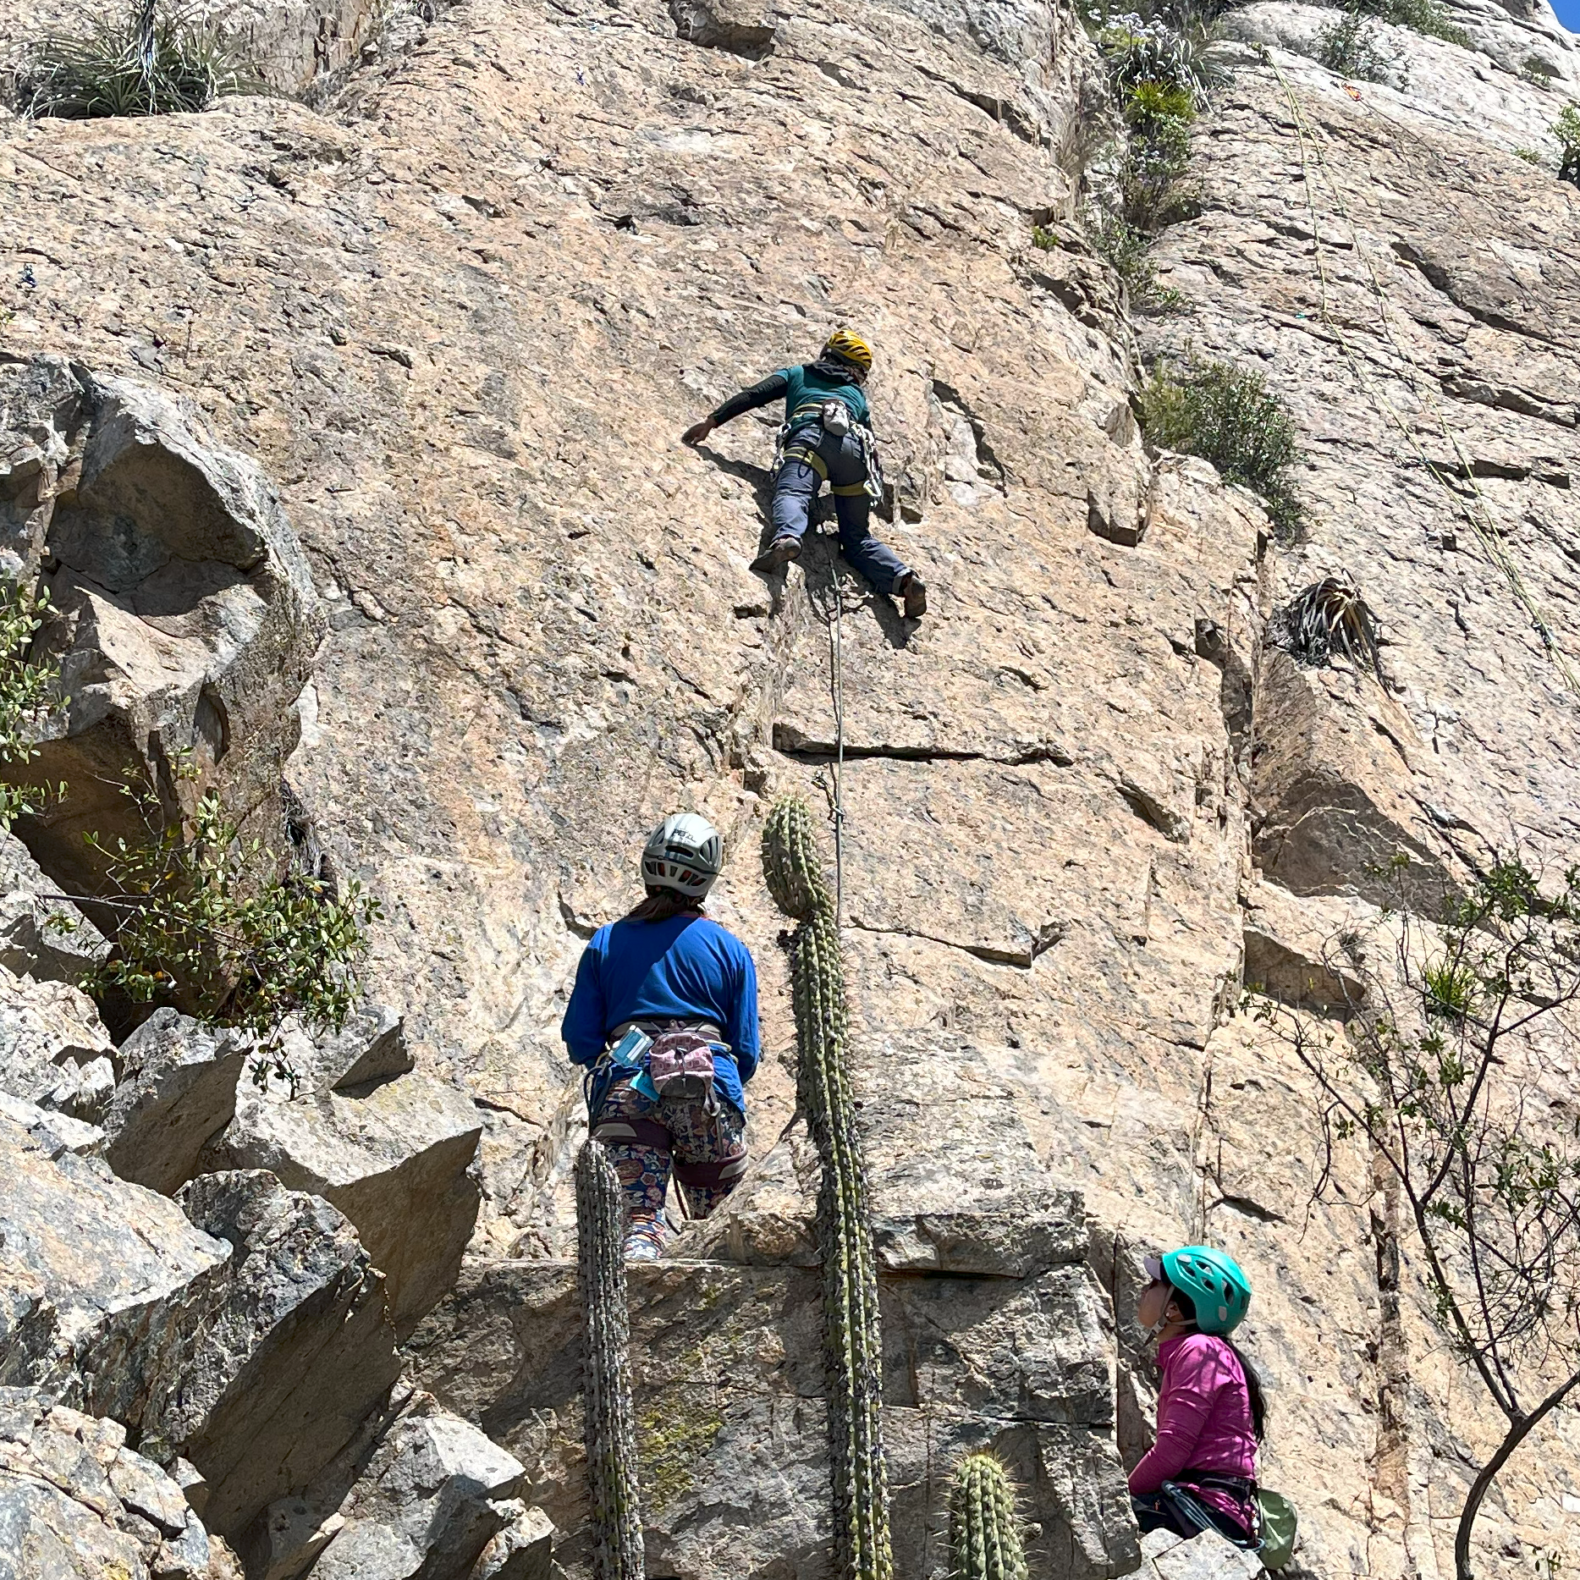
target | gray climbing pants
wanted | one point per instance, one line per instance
(813, 455)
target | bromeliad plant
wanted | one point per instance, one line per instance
(610, 1415)
(852, 1329)
(139, 63)
(1329, 617)
(1439, 1070)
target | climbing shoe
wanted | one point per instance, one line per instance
(780, 552)
(913, 590)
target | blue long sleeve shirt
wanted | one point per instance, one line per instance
(688, 968)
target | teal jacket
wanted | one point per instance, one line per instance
(803, 390)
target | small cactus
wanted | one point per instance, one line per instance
(852, 1330)
(610, 1423)
(984, 1535)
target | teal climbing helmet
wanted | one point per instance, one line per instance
(1219, 1289)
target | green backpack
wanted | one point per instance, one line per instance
(1278, 1529)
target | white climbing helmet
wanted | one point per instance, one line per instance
(683, 853)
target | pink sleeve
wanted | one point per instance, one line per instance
(1190, 1385)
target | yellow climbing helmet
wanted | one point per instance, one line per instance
(849, 347)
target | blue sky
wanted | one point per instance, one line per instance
(1568, 13)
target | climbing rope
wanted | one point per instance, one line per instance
(830, 609)
(1477, 514)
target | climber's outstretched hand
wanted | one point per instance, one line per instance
(697, 432)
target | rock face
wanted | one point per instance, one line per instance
(397, 1160)
(185, 616)
(42, 935)
(77, 1504)
(252, 1339)
(104, 1282)
(461, 317)
(298, 1351)
(177, 1091)
(53, 1048)
(434, 1496)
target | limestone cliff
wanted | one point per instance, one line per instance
(458, 315)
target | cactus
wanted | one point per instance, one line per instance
(852, 1333)
(984, 1536)
(606, 1368)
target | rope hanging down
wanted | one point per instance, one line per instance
(829, 606)
(1477, 512)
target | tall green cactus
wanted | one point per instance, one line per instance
(984, 1535)
(606, 1369)
(852, 1332)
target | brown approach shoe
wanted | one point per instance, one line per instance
(780, 552)
(913, 589)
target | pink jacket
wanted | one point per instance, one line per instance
(1204, 1417)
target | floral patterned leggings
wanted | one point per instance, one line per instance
(648, 1141)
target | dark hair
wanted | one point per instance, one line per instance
(1253, 1383)
(662, 904)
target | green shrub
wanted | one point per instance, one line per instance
(1124, 249)
(1567, 131)
(1529, 155)
(1351, 46)
(1044, 239)
(1230, 418)
(138, 64)
(1423, 16)
(27, 697)
(1538, 72)
(209, 921)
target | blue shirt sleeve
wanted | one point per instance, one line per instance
(742, 1030)
(583, 1026)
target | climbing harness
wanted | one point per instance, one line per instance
(1478, 512)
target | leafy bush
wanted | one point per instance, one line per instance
(27, 697)
(1230, 418)
(1423, 16)
(1529, 155)
(1567, 130)
(1351, 46)
(139, 64)
(1124, 249)
(207, 920)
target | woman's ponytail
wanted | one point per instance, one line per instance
(1253, 1387)
(1253, 1382)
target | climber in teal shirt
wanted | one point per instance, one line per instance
(827, 438)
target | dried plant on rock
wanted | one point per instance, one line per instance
(1327, 618)
(1444, 1067)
